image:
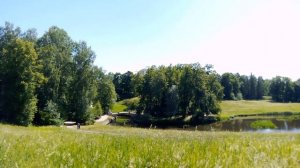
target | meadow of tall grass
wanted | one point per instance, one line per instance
(112, 146)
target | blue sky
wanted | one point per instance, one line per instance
(246, 36)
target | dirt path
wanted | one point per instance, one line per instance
(104, 120)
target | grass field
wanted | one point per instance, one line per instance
(231, 108)
(118, 107)
(124, 104)
(113, 146)
(108, 146)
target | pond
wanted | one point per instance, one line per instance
(282, 123)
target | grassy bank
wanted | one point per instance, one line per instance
(107, 146)
(231, 108)
(125, 105)
(118, 107)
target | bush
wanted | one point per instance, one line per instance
(132, 103)
(50, 114)
(263, 124)
(239, 96)
(96, 110)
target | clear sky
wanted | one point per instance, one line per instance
(246, 36)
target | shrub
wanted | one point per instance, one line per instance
(50, 114)
(132, 103)
(96, 110)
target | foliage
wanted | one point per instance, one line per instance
(282, 89)
(50, 114)
(55, 53)
(96, 109)
(153, 91)
(131, 104)
(180, 90)
(260, 92)
(83, 89)
(238, 87)
(106, 94)
(231, 85)
(263, 124)
(52, 78)
(124, 85)
(20, 75)
(49, 79)
(107, 146)
(297, 90)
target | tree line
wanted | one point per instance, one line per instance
(180, 90)
(166, 91)
(50, 79)
(238, 87)
(283, 89)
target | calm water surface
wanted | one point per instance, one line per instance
(284, 124)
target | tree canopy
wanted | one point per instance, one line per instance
(49, 79)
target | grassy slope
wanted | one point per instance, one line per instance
(100, 146)
(118, 107)
(123, 105)
(230, 108)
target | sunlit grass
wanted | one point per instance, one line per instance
(118, 107)
(231, 108)
(125, 104)
(263, 124)
(108, 146)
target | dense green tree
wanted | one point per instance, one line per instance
(297, 90)
(267, 84)
(96, 110)
(245, 87)
(20, 73)
(186, 91)
(7, 34)
(252, 87)
(231, 84)
(55, 49)
(260, 88)
(172, 101)
(199, 91)
(106, 94)
(180, 90)
(172, 75)
(124, 85)
(289, 92)
(50, 114)
(83, 88)
(153, 91)
(277, 89)
(282, 89)
(117, 80)
(137, 81)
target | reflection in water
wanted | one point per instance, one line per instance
(283, 124)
